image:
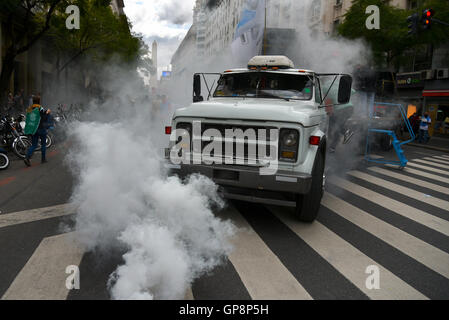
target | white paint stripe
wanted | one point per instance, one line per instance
(409, 179)
(432, 163)
(44, 277)
(439, 160)
(348, 260)
(441, 157)
(407, 211)
(445, 156)
(423, 174)
(419, 250)
(415, 165)
(261, 271)
(11, 219)
(442, 204)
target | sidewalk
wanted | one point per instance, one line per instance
(435, 143)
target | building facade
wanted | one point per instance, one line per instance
(117, 7)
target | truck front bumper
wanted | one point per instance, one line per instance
(245, 183)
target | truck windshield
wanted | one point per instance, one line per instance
(265, 85)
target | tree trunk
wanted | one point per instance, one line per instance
(7, 71)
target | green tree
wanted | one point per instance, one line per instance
(102, 34)
(26, 21)
(391, 42)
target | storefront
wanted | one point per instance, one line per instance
(436, 102)
(409, 91)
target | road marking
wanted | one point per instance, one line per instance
(415, 165)
(6, 181)
(432, 163)
(407, 211)
(401, 189)
(261, 271)
(44, 276)
(409, 179)
(438, 160)
(348, 260)
(442, 159)
(417, 249)
(445, 156)
(11, 219)
(423, 174)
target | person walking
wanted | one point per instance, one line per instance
(38, 122)
(424, 128)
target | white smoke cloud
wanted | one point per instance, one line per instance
(126, 200)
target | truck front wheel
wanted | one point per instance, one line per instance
(308, 205)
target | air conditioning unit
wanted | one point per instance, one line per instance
(442, 73)
(427, 74)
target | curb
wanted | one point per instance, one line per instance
(424, 146)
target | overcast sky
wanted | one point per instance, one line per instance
(166, 21)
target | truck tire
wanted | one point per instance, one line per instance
(308, 205)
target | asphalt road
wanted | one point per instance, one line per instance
(371, 215)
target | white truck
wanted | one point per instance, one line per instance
(261, 135)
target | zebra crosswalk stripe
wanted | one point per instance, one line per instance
(437, 160)
(44, 275)
(409, 179)
(415, 165)
(443, 159)
(403, 209)
(432, 163)
(11, 219)
(401, 189)
(261, 271)
(338, 252)
(423, 174)
(415, 248)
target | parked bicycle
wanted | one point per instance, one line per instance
(11, 138)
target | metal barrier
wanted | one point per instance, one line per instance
(397, 145)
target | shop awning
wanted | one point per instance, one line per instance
(435, 93)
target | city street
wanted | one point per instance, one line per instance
(371, 215)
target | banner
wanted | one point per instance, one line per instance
(249, 33)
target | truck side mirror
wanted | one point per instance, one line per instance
(344, 89)
(197, 88)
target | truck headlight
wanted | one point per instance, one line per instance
(288, 145)
(290, 139)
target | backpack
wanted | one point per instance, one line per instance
(33, 120)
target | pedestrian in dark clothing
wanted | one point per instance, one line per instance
(414, 122)
(41, 133)
(365, 80)
(424, 128)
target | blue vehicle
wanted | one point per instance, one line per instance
(4, 160)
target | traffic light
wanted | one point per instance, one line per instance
(413, 21)
(426, 19)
